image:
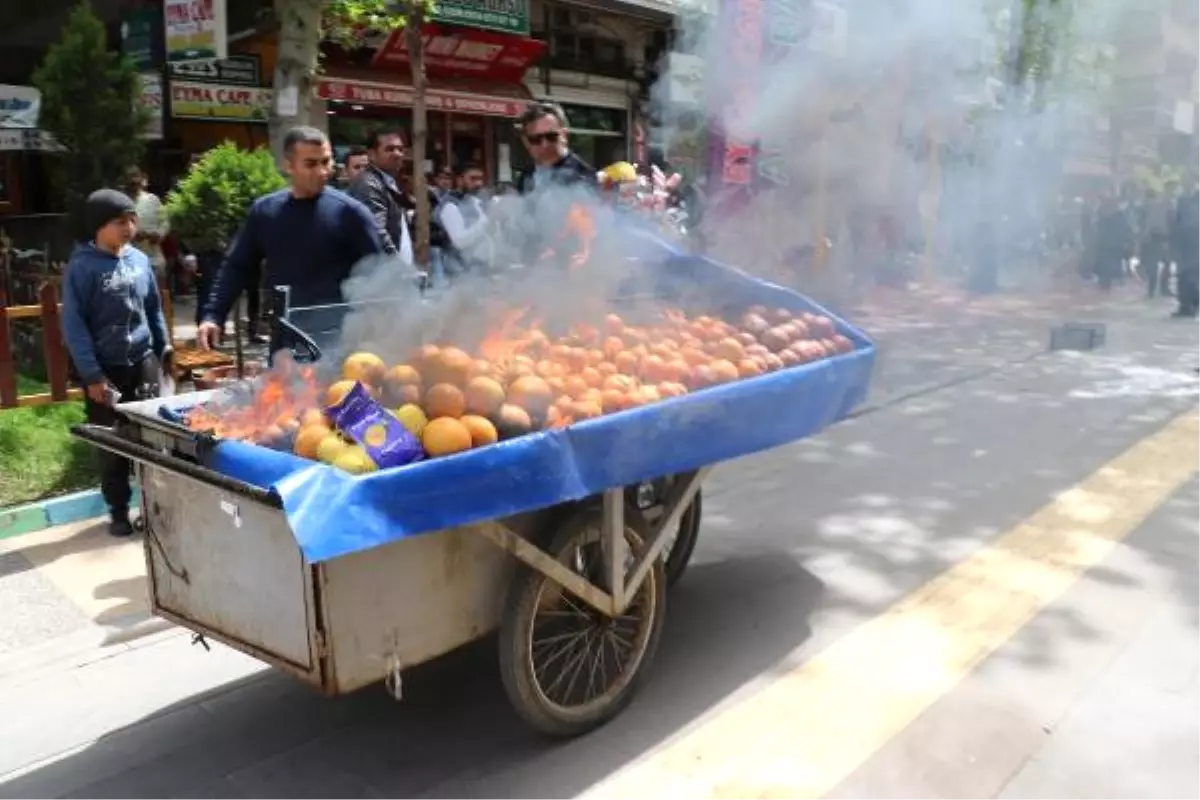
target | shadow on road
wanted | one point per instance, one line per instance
(268, 736)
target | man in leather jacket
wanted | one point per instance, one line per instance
(377, 188)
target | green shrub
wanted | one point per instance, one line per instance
(209, 204)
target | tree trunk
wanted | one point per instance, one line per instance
(416, 53)
(295, 64)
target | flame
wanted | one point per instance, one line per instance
(582, 225)
(504, 340)
(279, 399)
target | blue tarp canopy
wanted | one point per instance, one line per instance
(333, 513)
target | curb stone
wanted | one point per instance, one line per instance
(55, 511)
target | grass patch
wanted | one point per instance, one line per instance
(27, 385)
(38, 455)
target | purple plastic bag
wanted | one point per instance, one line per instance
(386, 440)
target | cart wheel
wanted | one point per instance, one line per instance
(679, 551)
(566, 667)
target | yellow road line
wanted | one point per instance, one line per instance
(808, 730)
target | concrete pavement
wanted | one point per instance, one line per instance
(801, 548)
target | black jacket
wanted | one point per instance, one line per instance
(383, 197)
(570, 170)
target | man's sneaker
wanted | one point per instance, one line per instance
(120, 527)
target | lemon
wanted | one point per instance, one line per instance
(412, 418)
(332, 446)
(355, 461)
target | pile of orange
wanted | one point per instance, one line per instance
(592, 370)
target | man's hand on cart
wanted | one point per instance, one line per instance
(208, 335)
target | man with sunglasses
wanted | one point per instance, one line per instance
(544, 130)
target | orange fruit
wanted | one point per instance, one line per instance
(423, 355)
(444, 400)
(563, 404)
(650, 394)
(365, 367)
(591, 376)
(677, 371)
(313, 416)
(530, 393)
(512, 421)
(450, 365)
(483, 396)
(773, 362)
(654, 369)
(620, 383)
(730, 349)
(398, 383)
(536, 342)
(337, 391)
(612, 346)
(626, 362)
(748, 368)
(606, 368)
(702, 376)
(407, 394)
(613, 324)
(776, 339)
(723, 371)
(481, 428)
(672, 389)
(746, 339)
(444, 436)
(547, 368)
(575, 385)
(308, 438)
(612, 400)
(585, 409)
(577, 358)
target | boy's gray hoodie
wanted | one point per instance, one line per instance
(112, 313)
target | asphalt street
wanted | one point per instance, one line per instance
(809, 554)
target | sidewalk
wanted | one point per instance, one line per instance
(71, 591)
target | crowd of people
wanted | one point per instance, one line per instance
(1152, 237)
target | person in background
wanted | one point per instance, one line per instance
(1185, 242)
(444, 182)
(1114, 242)
(544, 130)
(152, 225)
(1153, 250)
(357, 160)
(377, 189)
(309, 235)
(465, 220)
(115, 331)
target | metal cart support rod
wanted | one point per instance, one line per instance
(623, 586)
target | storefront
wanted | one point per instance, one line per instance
(219, 101)
(473, 95)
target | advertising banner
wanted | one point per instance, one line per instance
(152, 100)
(195, 30)
(19, 106)
(212, 101)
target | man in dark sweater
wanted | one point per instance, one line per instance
(115, 330)
(310, 235)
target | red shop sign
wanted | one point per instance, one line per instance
(465, 52)
(381, 94)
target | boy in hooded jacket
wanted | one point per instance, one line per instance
(115, 330)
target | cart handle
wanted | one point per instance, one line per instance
(299, 337)
(106, 439)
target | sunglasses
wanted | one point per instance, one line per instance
(549, 137)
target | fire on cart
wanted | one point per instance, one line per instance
(344, 519)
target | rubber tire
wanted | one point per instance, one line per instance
(515, 673)
(685, 541)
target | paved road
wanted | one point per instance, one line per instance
(1019, 490)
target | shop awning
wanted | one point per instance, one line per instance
(461, 96)
(451, 51)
